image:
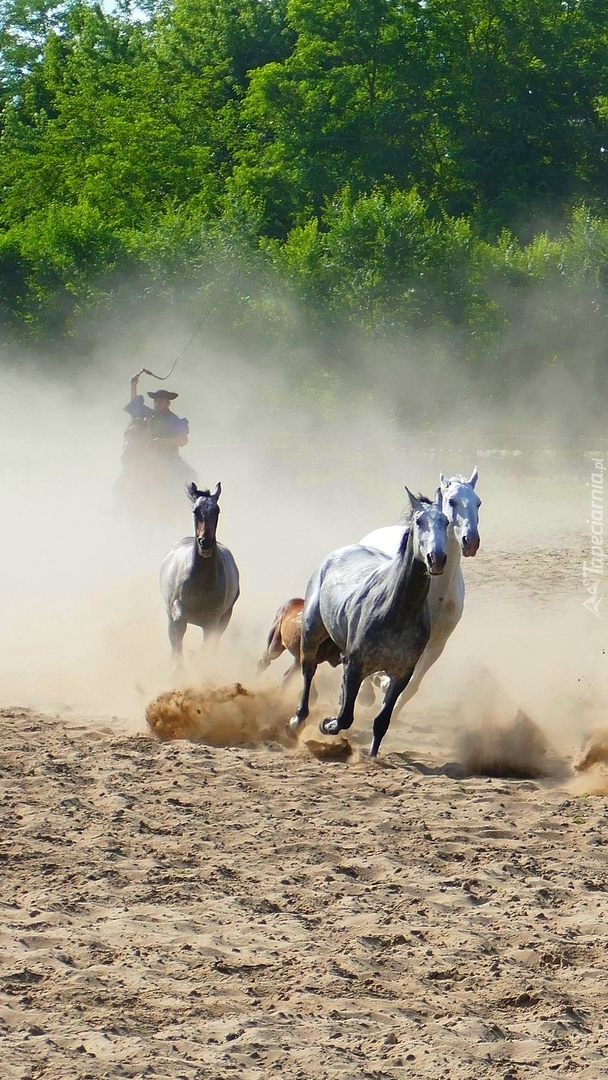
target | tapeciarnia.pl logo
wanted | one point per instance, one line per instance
(593, 570)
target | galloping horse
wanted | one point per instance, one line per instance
(286, 633)
(374, 608)
(199, 578)
(460, 504)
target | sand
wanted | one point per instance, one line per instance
(176, 910)
(188, 911)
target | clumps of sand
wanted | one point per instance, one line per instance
(332, 748)
(595, 752)
(237, 716)
(515, 749)
(592, 768)
(219, 716)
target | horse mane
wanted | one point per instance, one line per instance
(407, 513)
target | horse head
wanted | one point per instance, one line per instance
(206, 513)
(461, 506)
(430, 529)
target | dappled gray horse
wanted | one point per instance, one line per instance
(460, 504)
(199, 578)
(375, 609)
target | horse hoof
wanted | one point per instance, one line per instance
(293, 724)
(329, 727)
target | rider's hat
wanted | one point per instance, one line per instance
(162, 394)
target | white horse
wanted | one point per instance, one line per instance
(460, 504)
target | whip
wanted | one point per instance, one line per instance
(163, 378)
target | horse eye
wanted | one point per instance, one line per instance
(452, 502)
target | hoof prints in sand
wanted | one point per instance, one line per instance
(181, 911)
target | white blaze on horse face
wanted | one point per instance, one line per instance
(461, 505)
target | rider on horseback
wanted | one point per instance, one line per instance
(151, 458)
(157, 429)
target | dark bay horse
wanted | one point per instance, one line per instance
(374, 608)
(199, 578)
(286, 633)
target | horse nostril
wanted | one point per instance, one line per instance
(436, 560)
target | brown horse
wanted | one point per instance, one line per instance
(285, 634)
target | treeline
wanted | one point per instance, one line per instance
(392, 165)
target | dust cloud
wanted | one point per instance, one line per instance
(307, 464)
(238, 715)
(518, 749)
(219, 716)
(591, 769)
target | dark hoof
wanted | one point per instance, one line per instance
(329, 727)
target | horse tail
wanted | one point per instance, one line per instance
(283, 633)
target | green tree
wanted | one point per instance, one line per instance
(347, 106)
(516, 97)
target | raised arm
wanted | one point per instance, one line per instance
(135, 405)
(134, 382)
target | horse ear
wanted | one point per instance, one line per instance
(443, 480)
(474, 477)
(415, 503)
(218, 491)
(438, 498)
(192, 491)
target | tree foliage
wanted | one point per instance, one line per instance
(393, 166)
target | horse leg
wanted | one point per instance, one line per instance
(289, 674)
(177, 629)
(312, 638)
(308, 672)
(225, 619)
(429, 657)
(287, 678)
(263, 664)
(213, 632)
(383, 719)
(273, 650)
(426, 661)
(352, 678)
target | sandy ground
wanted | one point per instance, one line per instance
(190, 912)
(175, 910)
